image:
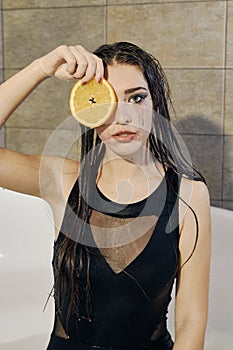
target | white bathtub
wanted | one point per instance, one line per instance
(219, 335)
(26, 242)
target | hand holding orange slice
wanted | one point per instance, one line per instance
(93, 103)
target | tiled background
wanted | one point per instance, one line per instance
(2, 132)
(192, 39)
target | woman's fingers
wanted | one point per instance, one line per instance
(88, 65)
(81, 62)
(56, 60)
(68, 59)
(72, 62)
(99, 68)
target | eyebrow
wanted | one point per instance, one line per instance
(129, 91)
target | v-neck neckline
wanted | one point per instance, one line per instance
(132, 210)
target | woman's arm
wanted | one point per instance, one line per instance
(15, 90)
(192, 290)
(20, 172)
(67, 63)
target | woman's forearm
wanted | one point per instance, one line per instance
(65, 62)
(15, 90)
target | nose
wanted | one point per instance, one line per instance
(123, 113)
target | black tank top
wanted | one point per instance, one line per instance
(129, 306)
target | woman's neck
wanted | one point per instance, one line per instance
(128, 167)
(128, 179)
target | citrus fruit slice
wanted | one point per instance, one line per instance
(92, 104)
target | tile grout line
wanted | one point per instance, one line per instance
(105, 21)
(224, 98)
(2, 131)
(44, 8)
(161, 2)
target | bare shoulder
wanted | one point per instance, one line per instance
(194, 192)
(57, 176)
(195, 195)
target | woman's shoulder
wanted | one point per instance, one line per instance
(193, 189)
(62, 173)
(194, 197)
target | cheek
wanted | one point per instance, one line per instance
(143, 115)
(145, 121)
(103, 133)
(148, 121)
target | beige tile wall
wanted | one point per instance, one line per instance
(188, 34)
(192, 39)
(23, 4)
(1, 38)
(2, 131)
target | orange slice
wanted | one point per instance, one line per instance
(92, 104)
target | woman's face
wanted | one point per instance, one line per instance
(129, 127)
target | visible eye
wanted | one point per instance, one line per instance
(138, 98)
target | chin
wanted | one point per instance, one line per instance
(126, 149)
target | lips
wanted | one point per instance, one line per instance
(124, 135)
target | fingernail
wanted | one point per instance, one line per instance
(98, 79)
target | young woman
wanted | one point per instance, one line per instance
(131, 217)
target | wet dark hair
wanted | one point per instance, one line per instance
(164, 145)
